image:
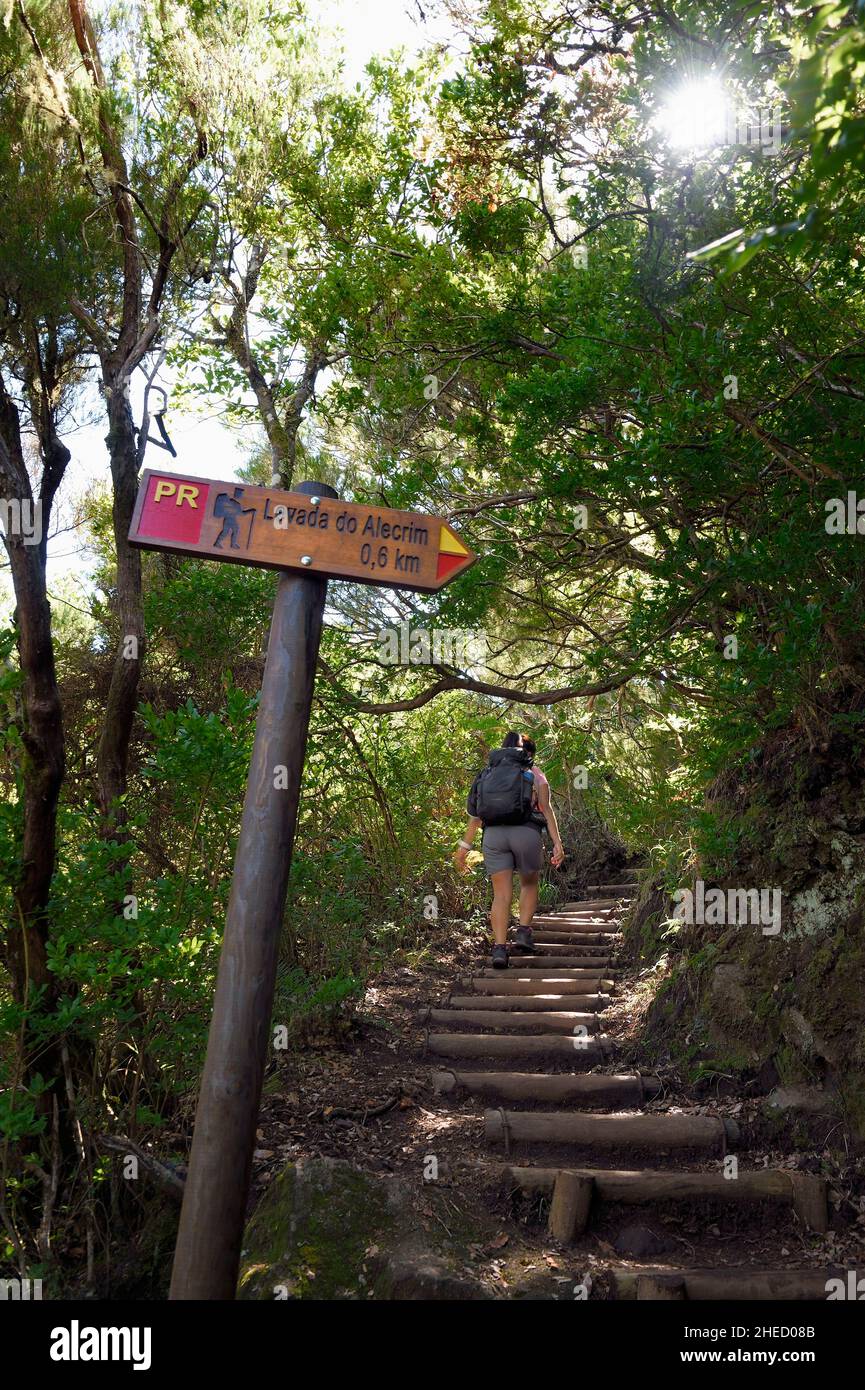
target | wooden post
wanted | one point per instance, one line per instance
(214, 1206)
(569, 1209)
(810, 1201)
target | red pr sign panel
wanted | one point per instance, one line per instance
(173, 509)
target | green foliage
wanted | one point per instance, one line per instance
(822, 86)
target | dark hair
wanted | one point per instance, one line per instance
(511, 739)
(530, 746)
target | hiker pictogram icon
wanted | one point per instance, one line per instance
(230, 510)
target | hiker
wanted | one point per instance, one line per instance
(512, 805)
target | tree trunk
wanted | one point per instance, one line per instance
(25, 948)
(113, 754)
(42, 733)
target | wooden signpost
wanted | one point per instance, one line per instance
(311, 536)
(292, 530)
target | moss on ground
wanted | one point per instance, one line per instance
(327, 1230)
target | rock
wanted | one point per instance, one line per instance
(638, 1242)
(798, 1030)
(327, 1230)
(728, 989)
(425, 1278)
(801, 1100)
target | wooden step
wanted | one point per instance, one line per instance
(601, 929)
(598, 955)
(706, 1132)
(562, 931)
(533, 984)
(577, 919)
(803, 1191)
(554, 950)
(605, 940)
(515, 1021)
(597, 907)
(583, 941)
(580, 973)
(558, 940)
(588, 1088)
(589, 938)
(564, 944)
(545, 963)
(531, 1003)
(577, 1051)
(738, 1285)
(589, 904)
(551, 921)
(552, 959)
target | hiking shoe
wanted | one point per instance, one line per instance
(500, 958)
(524, 942)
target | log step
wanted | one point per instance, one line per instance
(560, 1022)
(610, 916)
(533, 984)
(606, 904)
(575, 943)
(739, 1285)
(601, 929)
(588, 1088)
(552, 922)
(601, 908)
(599, 940)
(532, 1003)
(541, 963)
(805, 1192)
(577, 973)
(589, 904)
(587, 1051)
(561, 940)
(594, 940)
(706, 1132)
(602, 960)
(553, 941)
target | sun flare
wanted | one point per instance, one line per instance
(695, 114)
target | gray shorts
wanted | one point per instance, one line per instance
(517, 847)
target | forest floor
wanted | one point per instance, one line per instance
(367, 1098)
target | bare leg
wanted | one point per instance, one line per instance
(528, 898)
(500, 912)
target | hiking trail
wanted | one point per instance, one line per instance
(529, 1042)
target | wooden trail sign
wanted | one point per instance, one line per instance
(268, 527)
(316, 538)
